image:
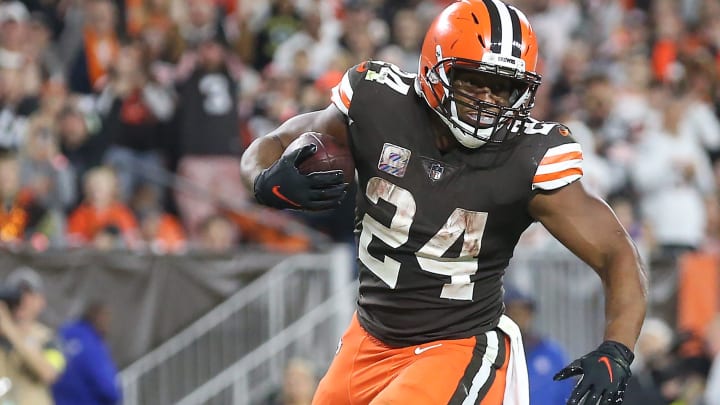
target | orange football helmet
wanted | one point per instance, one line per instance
(487, 37)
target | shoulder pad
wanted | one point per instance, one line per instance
(559, 156)
(370, 72)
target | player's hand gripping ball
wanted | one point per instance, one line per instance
(328, 156)
(312, 174)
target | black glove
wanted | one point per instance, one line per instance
(605, 373)
(283, 186)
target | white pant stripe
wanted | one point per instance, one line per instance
(483, 374)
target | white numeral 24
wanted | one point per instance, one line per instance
(469, 224)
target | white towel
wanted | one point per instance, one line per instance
(517, 388)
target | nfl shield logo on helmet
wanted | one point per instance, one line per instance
(394, 160)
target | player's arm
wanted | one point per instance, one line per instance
(589, 228)
(275, 180)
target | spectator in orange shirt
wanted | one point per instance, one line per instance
(101, 210)
(163, 233)
(217, 235)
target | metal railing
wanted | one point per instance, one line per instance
(236, 353)
(569, 296)
(300, 307)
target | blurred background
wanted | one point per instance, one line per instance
(122, 123)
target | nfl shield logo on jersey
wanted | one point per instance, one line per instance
(436, 171)
(394, 160)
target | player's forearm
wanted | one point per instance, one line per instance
(264, 151)
(260, 155)
(625, 300)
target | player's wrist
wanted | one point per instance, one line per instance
(259, 187)
(617, 351)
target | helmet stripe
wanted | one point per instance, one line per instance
(495, 26)
(505, 31)
(517, 32)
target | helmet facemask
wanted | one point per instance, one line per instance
(473, 121)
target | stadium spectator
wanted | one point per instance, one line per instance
(653, 351)
(404, 47)
(22, 217)
(102, 213)
(673, 175)
(13, 33)
(207, 132)
(217, 235)
(90, 377)
(315, 44)
(163, 233)
(29, 354)
(40, 51)
(48, 175)
(363, 32)
(133, 108)
(280, 24)
(202, 21)
(543, 355)
(160, 35)
(18, 101)
(100, 44)
(80, 142)
(298, 386)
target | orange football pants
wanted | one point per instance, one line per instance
(460, 371)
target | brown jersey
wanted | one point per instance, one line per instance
(438, 230)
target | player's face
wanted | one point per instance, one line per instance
(472, 87)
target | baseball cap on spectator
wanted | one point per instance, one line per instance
(13, 11)
(25, 279)
(514, 295)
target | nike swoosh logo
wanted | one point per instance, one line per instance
(421, 350)
(278, 194)
(605, 361)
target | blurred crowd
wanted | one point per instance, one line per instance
(122, 122)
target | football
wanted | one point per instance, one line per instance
(329, 156)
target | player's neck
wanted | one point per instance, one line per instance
(444, 139)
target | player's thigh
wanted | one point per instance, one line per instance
(335, 388)
(453, 376)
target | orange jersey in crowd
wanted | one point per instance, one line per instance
(87, 221)
(169, 235)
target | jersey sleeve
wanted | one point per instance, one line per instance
(561, 164)
(342, 93)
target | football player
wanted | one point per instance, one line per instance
(451, 169)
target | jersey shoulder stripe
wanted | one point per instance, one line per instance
(342, 93)
(560, 166)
